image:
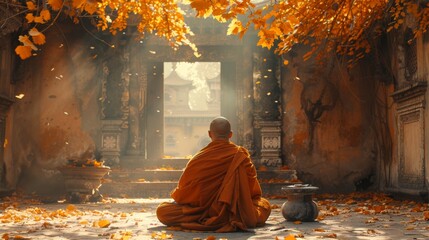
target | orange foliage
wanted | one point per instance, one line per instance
(345, 27)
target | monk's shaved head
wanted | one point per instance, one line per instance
(220, 128)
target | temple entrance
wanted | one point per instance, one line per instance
(178, 110)
(191, 100)
(145, 128)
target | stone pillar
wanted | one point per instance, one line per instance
(110, 141)
(267, 112)
(115, 81)
(5, 103)
(271, 144)
(137, 100)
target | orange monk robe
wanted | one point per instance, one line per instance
(218, 191)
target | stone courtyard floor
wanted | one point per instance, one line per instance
(352, 216)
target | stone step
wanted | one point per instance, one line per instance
(122, 175)
(133, 162)
(142, 183)
(289, 175)
(163, 189)
(162, 174)
(138, 189)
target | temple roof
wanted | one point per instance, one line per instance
(174, 79)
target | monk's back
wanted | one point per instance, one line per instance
(205, 172)
(218, 190)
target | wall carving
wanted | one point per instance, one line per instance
(125, 98)
(318, 96)
(110, 141)
(271, 143)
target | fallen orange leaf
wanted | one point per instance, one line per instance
(71, 207)
(290, 237)
(103, 223)
(46, 225)
(410, 228)
(299, 235)
(275, 206)
(262, 168)
(331, 235)
(426, 215)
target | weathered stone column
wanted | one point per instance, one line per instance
(5, 103)
(267, 107)
(114, 103)
(137, 101)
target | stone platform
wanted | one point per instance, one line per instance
(158, 178)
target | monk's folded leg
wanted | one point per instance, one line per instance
(263, 211)
(171, 214)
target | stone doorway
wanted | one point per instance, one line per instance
(155, 111)
(132, 132)
(191, 100)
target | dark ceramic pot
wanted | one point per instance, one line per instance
(299, 205)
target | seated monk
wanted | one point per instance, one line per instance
(218, 190)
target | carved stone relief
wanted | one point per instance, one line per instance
(137, 100)
(115, 76)
(271, 143)
(125, 98)
(110, 141)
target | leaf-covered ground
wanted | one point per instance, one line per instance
(351, 216)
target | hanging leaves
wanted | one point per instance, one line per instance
(37, 37)
(344, 27)
(31, 6)
(55, 4)
(23, 52)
